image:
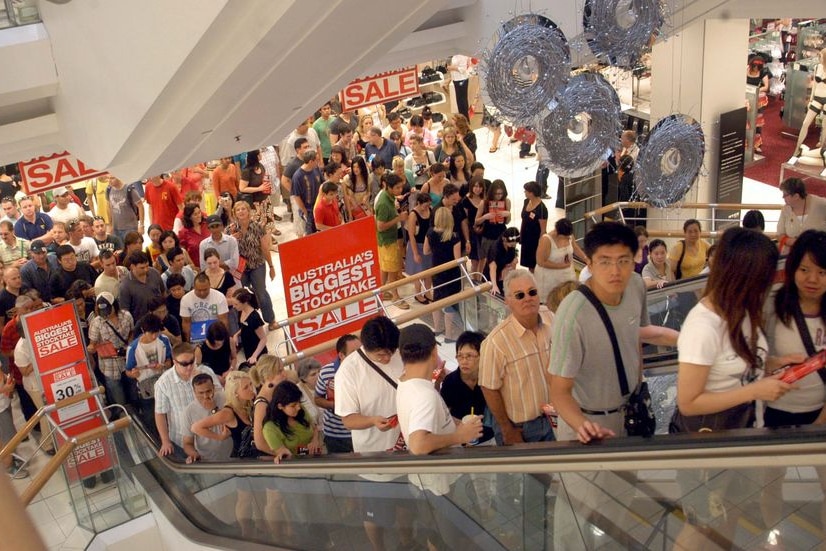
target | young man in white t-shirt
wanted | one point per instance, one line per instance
(200, 307)
(424, 418)
(366, 402)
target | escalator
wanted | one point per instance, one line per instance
(625, 493)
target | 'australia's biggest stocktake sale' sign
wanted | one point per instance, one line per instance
(58, 170)
(325, 268)
(380, 88)
(60, 361)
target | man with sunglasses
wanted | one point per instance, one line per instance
(513, 364)
(173, 394)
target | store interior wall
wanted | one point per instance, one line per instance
(700, 73)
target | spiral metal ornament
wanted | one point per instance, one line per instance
(669, 161)
(620, 30)
(581, 126)
(526, 67)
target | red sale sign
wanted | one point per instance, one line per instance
(381, 88)
(58, 170)
(317, 274)
(59, 356)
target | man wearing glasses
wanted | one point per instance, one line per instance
(584, 383)
(513, 364)
(173, 394)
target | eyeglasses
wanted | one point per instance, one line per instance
(520, 295)
(622, 263)
(185, 364)
(460, 357)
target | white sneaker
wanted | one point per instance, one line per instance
(792, 161)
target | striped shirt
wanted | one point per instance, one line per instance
(331, 423)
(513, 360)
(173, 395)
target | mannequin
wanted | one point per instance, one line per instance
(814, 157)
(817, 103)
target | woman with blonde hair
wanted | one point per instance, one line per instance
(265, 375)
(444, 246)
(452, 145)
(236, 419)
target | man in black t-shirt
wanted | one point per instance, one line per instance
(14, 287)
(68, 271)
(105, 241)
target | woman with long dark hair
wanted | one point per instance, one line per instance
(492, 219)
(252, 335)
(194, 231)
(796, 330)
(357, 185)
(534, 224)
(722, 354)
(288, 427)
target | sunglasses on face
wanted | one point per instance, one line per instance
(520, 295)
(186, 364)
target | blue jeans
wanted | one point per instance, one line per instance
(257, 279)
(535, 430)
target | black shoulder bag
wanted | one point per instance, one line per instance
(806, 337)
(639, 415)
(678, 270)
(400, 445)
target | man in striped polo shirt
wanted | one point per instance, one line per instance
(513, 365)
(336, 437)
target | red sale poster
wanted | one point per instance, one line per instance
(60, 362)
(325, 268)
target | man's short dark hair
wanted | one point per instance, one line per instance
(202, 379)
(151, 324)
(137, 257)
(470, 338)
(309, 156)
(106, 254)
(156, 302)
(174, 280)
(331, 167)
(610, 233)
(391, 180)
(63, 250)
(299, 142)
(416, 352)
(790, 186)
(202, 277)
(449, 189)
(380, 333)
(342, 342)
(377, 162)
(476, 165)
(393, 116)
(416, 120)
(327, 187)
(173, 252)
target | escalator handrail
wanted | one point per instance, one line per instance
(801, 446)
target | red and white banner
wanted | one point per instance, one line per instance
(380, 88)
(60, 362)
(325, 268)
(58, 170)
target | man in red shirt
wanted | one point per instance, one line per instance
(225, 178)
(326, 211)
(164, 201)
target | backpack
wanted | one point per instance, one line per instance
(129, 189)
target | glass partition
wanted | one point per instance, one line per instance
(554, 496)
